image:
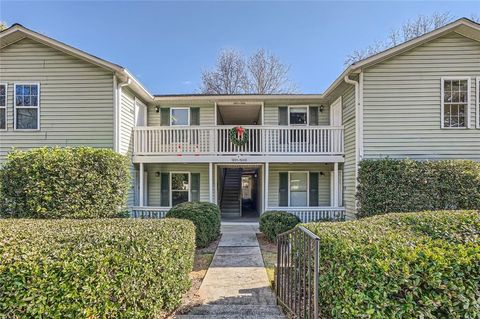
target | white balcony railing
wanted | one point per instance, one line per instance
(215, 140)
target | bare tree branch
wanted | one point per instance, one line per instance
(267, 75)
(3, 25)
(408, 31)
(262, 74)
(229, 76)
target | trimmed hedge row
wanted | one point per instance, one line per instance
(80, 182)
(410, 265)
(273, 223)
(104, 268)
(204, 215)
(390, 185)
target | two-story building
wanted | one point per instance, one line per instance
(248, 153)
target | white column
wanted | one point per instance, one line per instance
(215, 181)
(265, 187)
(141, 179)
(335, 184)
(210, 181)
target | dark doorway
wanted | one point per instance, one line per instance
(249, 193)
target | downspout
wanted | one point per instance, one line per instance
(358, 124)
(118, 112)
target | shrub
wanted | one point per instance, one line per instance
(389, 185)
(205, 216)
(409, 265)
(67, 182)
(273, 223)
(95, 268)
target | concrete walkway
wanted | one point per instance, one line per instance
(236, 284)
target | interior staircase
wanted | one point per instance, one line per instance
(230, 204)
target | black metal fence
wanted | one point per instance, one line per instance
(296, 282)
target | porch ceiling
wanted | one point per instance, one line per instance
(243, 114)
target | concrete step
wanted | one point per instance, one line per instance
(236, 309)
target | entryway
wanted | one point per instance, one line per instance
(240, 191)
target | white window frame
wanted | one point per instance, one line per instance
(15, 107)
(179, 108)
(189, 186)
(308, 188)
(5, 106)
(477, 99)
(297, 107)
(442, 99)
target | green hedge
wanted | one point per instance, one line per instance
(102, 268)
(408, 265)
(273, 223)
(205, 216)
(67, 182)
(389, 185)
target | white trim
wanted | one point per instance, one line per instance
(266, 181)
(210, 182)
(15, 107)
(115, 114)
(141, 185)
(295, 107)
(360, 116)
(442, 100)
(215, 111)
(307, 191)
(179, 108)
(477, 99)
(170, 185)
(5, 106)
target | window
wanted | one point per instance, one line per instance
(180, 116)
(298, 115)
(298, 187)
(455, 102)
(3, 106)
(27, 106)
(180, 188)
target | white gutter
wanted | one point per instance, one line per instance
(118, 111)
(358, 123)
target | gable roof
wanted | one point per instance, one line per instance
(18, 32)
(463, 26)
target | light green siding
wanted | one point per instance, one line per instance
(271, 114)
(76, 98)
(207, 114)
(127, 121)
(323, 183)
(153, 181)
(402, 99)
(350, 165)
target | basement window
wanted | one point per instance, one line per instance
(455, 102)
(27, 106)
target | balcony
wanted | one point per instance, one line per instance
(215, 141)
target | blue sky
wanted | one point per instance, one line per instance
(166, 45)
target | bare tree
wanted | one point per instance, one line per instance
(262, 74)
(267, 75)
(408, 31)
(229, 76)
(3, 25)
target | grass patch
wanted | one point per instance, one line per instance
(269, 254)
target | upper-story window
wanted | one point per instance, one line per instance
(27, 106)
(455, 102)
(298, 115)
(3, 106)
(180, 116)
